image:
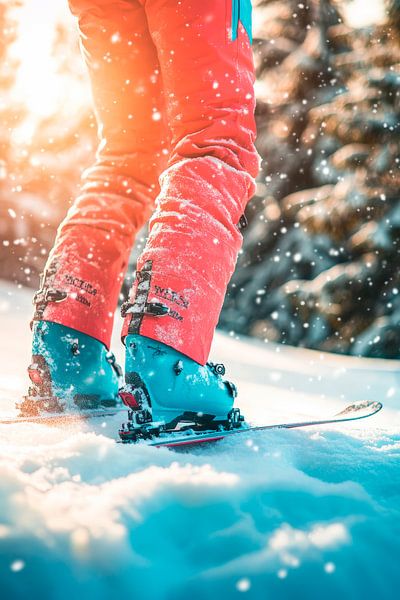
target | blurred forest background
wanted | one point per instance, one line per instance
(320, 262)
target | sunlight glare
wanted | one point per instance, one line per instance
(37, 77)
(362, 13)
(40, 85)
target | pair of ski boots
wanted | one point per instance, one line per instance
(164, 389)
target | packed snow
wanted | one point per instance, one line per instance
(310, 513)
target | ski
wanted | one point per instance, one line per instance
(167, 439)
(61, 419)
(189, 437)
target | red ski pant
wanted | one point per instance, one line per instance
(174, 101)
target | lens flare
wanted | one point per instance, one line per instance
(49, 81)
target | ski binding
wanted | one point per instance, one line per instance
(140, 426)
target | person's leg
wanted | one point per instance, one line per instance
(85, 270)
(182, 275)
(207, 70)
(75, 306)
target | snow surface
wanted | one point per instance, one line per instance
(284, 514)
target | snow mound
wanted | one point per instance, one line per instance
(285, 514)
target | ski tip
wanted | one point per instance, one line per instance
(358, 410)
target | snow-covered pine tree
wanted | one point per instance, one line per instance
(320, 265)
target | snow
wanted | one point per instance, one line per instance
(285, 514)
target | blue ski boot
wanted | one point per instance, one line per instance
(164, 388)
(70, 372)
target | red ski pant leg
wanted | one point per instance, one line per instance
(194, 238)
(91, 251)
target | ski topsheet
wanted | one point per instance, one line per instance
(353, 412)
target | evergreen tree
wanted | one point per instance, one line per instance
(320, 265)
